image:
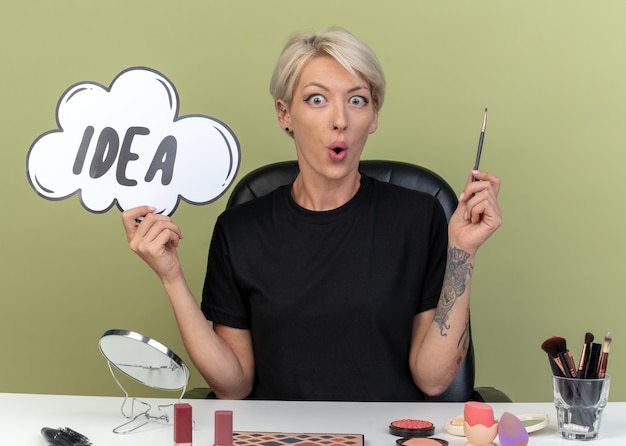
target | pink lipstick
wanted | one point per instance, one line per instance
(223, 428)
(183, 424)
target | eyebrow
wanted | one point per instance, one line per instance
(323, 87)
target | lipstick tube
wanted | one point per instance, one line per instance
(223, 428)
(183, 425)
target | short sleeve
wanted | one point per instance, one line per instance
(222, 299)
(437, 255)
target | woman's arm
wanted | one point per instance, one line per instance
(440, 337)
(223, 355)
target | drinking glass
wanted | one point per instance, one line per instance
(579, 404)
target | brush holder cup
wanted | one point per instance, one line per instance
(579, 404)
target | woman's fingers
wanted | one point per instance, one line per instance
(132, 216)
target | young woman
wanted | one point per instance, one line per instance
(336, 287)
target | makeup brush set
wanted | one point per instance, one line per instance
(580, 391)
(593, 359)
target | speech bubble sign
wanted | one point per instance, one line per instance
(126, 145)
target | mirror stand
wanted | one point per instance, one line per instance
(146, 416)
(148, 362)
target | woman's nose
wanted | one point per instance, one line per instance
(340, 121)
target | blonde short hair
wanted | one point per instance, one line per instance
(353, 54)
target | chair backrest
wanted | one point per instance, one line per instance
(265, 179)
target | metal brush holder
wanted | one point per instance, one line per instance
(148, 362)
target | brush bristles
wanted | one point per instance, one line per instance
(76, 438)
(554, 345)
(607, 342)
(593, 358)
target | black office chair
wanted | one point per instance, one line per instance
(267, 178)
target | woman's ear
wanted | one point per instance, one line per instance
(374, 124)
(283, 113)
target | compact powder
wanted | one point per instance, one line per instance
(412, 428)
(422, 442)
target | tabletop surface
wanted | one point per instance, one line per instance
(23, 415)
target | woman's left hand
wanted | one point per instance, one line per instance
(478, 214)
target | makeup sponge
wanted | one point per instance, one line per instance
(511, 431)
(480, 426)
(478, 413)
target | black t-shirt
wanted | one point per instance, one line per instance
(329, 296)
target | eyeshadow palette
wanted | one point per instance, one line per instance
(241, 438)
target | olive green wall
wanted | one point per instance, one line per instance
(552, 73)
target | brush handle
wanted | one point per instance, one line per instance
(554, 367)
(557, 366)
(594, 360)
(479, 150)
(569, 360)
(566, 366)
(584, 359)
(604, 358)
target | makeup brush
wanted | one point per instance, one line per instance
(584, 355)
(559, 349)
(604, 356)
(569, 361)
(553, 347)
(594, 360)
(481, 139)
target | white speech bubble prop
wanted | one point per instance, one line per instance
(126, 145)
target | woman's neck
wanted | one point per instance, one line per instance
(324, 195)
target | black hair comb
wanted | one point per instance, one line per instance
(64, 437)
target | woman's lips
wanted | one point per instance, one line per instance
(338, 153)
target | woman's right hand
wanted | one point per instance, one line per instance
(154, 239)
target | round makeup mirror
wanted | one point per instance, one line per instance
(144, 359)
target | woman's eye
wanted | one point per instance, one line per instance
(316, 99)
(358, 100)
